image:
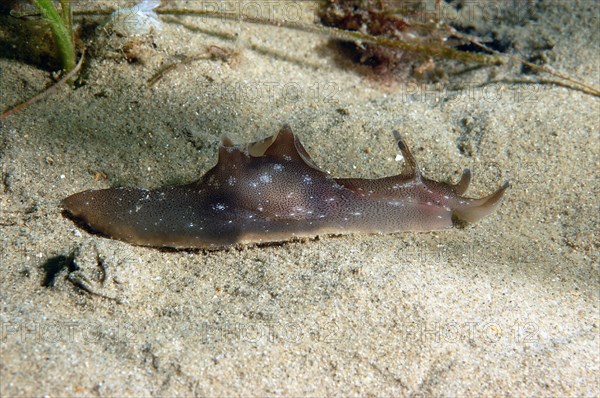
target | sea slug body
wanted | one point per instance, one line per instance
(272, 191)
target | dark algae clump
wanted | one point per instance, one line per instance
(422, 36)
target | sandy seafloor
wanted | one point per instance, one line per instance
(508, 306)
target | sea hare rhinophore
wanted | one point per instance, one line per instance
(272, 191)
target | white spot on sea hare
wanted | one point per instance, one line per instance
(266, 178)
(396, 203)
(219, 206)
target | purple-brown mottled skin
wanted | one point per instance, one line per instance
(271, 191)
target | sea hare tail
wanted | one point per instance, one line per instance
(476, 209)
